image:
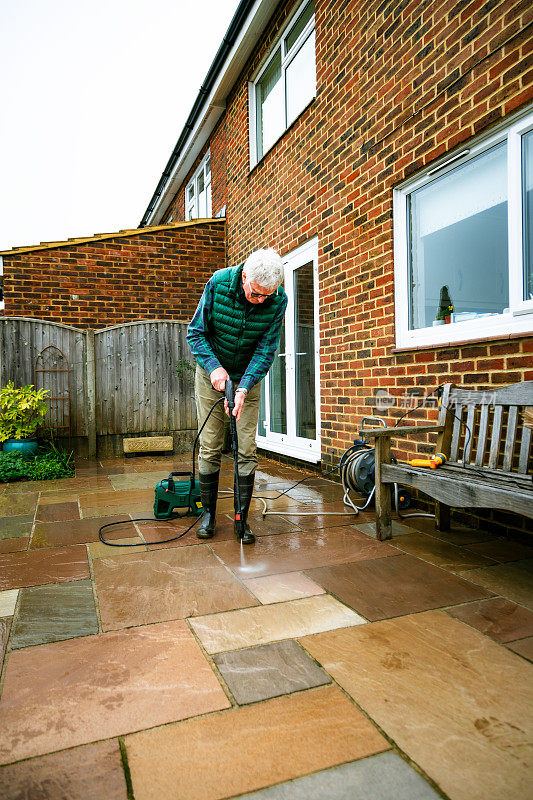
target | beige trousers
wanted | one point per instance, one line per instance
(212, 436)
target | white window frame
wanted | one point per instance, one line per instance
(286, 59)
(290, 444)
(191, 206)
(519, 317)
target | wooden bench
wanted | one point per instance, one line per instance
(487, 446)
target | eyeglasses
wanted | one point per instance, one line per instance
(258, 294)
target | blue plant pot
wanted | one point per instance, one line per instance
(28, 447)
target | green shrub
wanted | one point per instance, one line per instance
(47, 464)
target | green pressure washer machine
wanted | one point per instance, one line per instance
(171, 494)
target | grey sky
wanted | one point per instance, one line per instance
(93, 96)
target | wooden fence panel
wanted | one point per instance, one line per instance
(137, 385)
(21, 341)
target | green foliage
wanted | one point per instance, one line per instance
(445, 304)
(185, 371)
(46, 465)
(21, 411)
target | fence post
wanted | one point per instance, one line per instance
(90, 375)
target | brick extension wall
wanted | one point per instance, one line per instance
(399, 84)
(157, 274)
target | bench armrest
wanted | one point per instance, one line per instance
(403, 430)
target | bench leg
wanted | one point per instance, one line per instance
(383, 492)
(442, 517)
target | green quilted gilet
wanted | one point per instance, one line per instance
(236, 324)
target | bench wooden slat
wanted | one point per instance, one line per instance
(458, 412)
(509, 441)
(525, 444)
(482, 435)
(470, 424)
(495, 438)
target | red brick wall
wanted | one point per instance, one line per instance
(399, 84)
(159, 274)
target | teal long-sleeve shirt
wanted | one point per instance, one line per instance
(197, 336)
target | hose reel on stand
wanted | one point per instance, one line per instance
(357, 471)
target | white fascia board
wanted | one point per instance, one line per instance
(215, 103)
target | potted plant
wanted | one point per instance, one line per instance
(445, 308)
(21, 412)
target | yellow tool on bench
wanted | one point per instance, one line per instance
(432, 463)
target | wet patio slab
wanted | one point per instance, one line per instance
(513, 581)
(37, 567)
(390, 587)
(16, 545)
(139, 588)
(277, 588)
(498, 618)
(11, 527)
(53, 613)
(83, 690)
(255, 746)
(455, 702)
(77, 531)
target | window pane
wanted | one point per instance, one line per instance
(527, 188)
(278, 390)
(261, 420)
(458, 240)
(270, 112)
(304, 340)
(300, 77)
(299, 25)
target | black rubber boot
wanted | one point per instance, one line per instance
(208, 496)
(246, 490)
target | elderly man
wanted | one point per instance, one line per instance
(234, 334)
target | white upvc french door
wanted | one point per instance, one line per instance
(289, 416)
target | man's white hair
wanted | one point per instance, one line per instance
(265, 268)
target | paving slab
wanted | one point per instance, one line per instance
(78, 531)
(90, 772)
(37, 567)
(524, 647)
(70, 693)
(502, 550)
(248, 627)
(53, 613)
(138, 588)
(136, 480)
(389, 587)
(398, 528)
(513, 581)
(11, 527)
(130, 510)
(299, 550)
(101, 550)
(457, 703)
(250, 747)
(259, 673)
(442, 554)
(8, 601)
(116, 498)
(155, 532)
(458, 534)
(5, 625)
(56, 512)
(382, 777)
(16, 545)
(18, 505)
(287, 586)
(498, 618)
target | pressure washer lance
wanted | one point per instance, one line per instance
(230, 397)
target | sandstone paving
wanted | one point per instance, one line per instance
(18, 505)
(117, 547)
(381, 777)
(442, 554)
(398, 528)
(16, 545)
(54, 612)
(74, 692)
(250, 747)
(116, 498)
(5, 625)
(457, 703)
(89, 772)
(513, 581)
(78, 531)
(287, 586)
(498, 618)
(8, 601)
(502, 550)
(136, 480)
(299, 550)
(126, 511)
(524, 647)
(458, 534)
(37, 567)
(14, 526)
(234, 630)
(258, 673)
(55, 512)
(389, 587)
(157, 585)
